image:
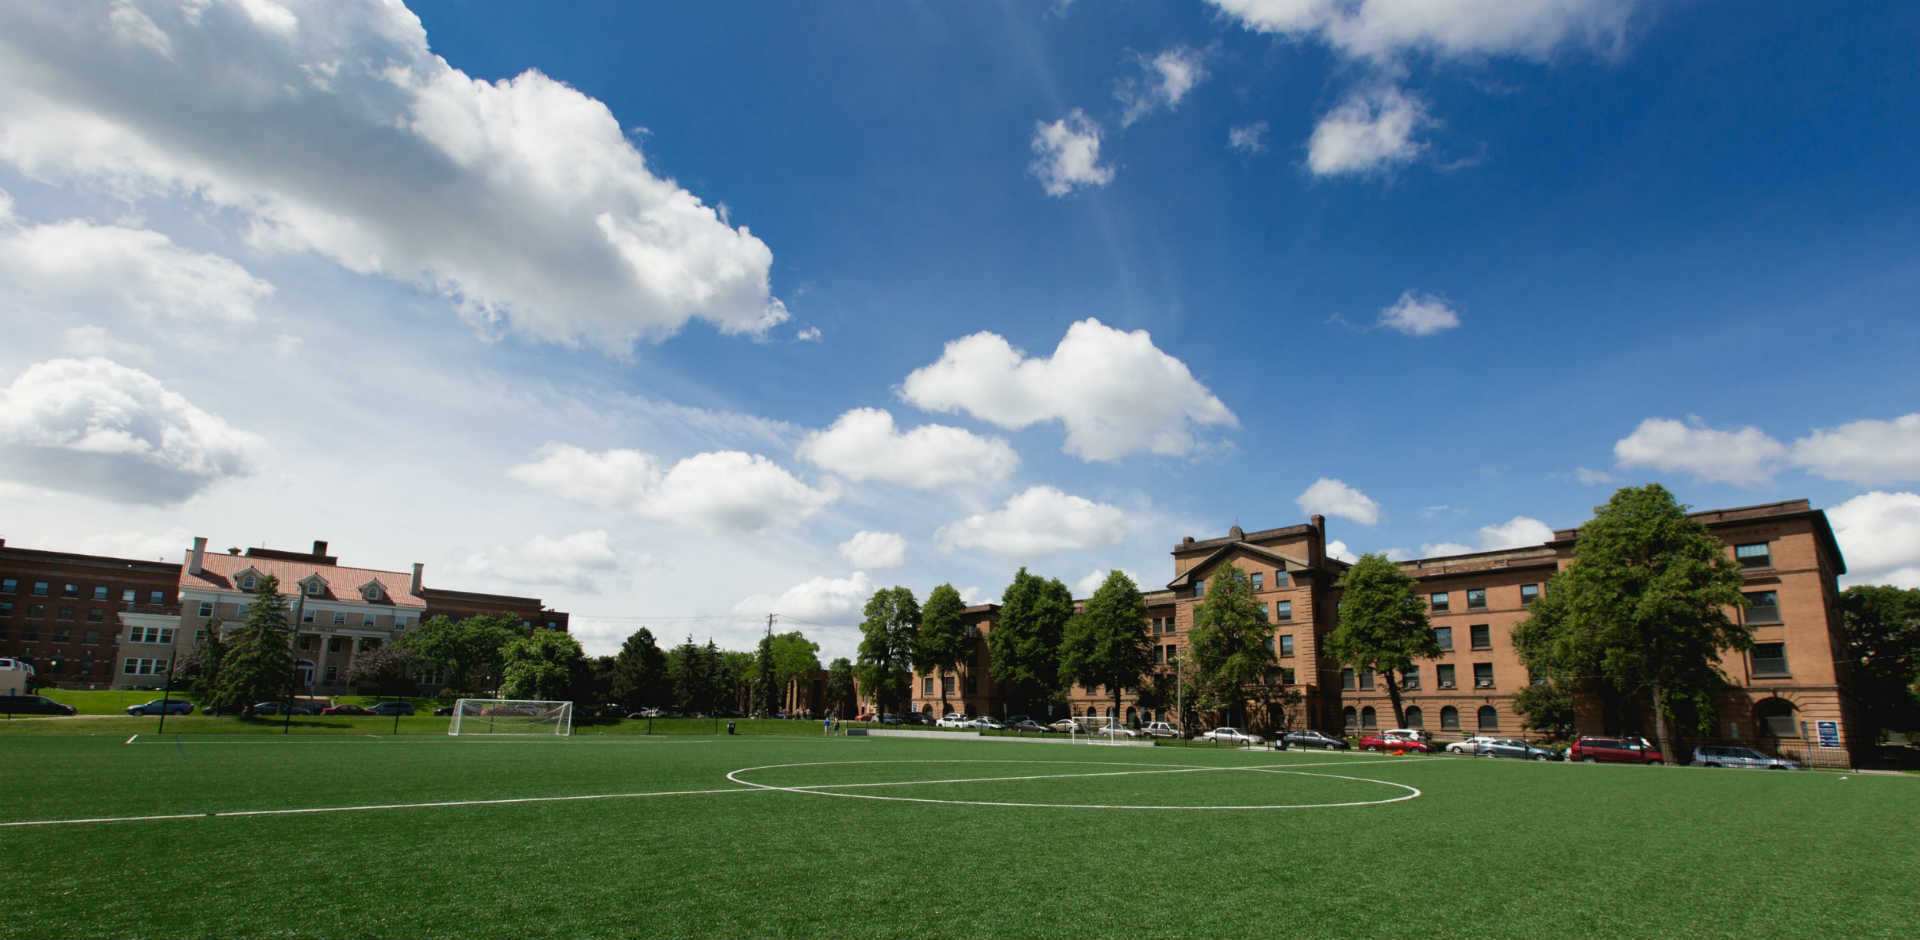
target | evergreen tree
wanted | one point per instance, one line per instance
(1228, 643)
(886, 645)
(763, 675)
(1382, 626)
(258, 663)
(1642, 609)
(692, 677)
(1024, 647)
(638, 676)
(540, 666)
(1103, 645)
(942, 639)
(840, 688)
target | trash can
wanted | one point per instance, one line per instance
(729, 727)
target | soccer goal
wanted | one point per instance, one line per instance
(510, 716)
(1099, 729)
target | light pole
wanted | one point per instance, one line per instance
(1179, 693)
(166, 689)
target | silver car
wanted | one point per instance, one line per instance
(1724, 755)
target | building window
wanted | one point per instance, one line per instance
(1764, 607)
(1449, 718)
(1280, 579)
(9, 585)
(206, 608)
(30, 632)
(946, 684)
(306, 641)
(135, 666)
(1199, 588)
(99, 592)
(333, 644)
(1444, 637)
(1269, 644)
(36, 611)
(366, 620)
(926, 685)
(400, 623)
(156, 598)
(128, 596)
(1753, 555)
(62, 635)
(1257, 577)
(1369, 719)
(1489, 718)
(306, 616)
(1529, 593)
(1483, 675)
(1173, 652)
(96, 615)
(1410, 678)
(162, 636)
(66, 613)
(1776, 718)
(1443, 674)
(246, 583)
(1286, 644)
(1346, 679)
(1480, 635)
(1769, 659)
(1366, 680)
(71, 590)
(39, 589)
(368, 644)
(333, 673)
(1286, 676)
(1476, 598)
(6, 608)
(339, 619)
(1283, 610)
(1439, 600)
(1415, 717)
(315, 589)
(1352, 718)
(1262, 614)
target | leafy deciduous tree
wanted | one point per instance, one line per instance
(840, 687)
(1024, 647)
(1883, 644)
(942, 639)
(1228, 642)
(387, 670)
(1383, 625)
(886, 645)
(1103, 644)
(795, 660)
(539, 665)
(468, 651)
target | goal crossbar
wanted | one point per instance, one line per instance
(510, 716)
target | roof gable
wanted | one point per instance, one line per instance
(1226, 552)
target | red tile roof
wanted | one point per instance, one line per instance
(343, 584)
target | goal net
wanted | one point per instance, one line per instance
(1099, 729)
(510, 716)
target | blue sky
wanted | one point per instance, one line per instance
(681, 314)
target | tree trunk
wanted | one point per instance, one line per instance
(1660, 724)
(1116, 705)
(1393, 694)
(940, 676)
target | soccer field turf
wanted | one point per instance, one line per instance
(855, 837)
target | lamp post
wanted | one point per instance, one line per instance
(166, 688)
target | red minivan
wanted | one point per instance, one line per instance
(1615, 751)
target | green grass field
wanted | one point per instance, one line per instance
(793, 836)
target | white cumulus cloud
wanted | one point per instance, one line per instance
(1085, 587)
(1371, 130)
(1442, 549)
(1115, 391)
(1879, 535)
(1747, 457)
(1446, 29)
(1419, 314)
(1589, 477)
(1164, 79)
(1039, 521)
(583, 561)
(726, 491)
(1339, 549)
(1066, 154)
(94, 426)
(1866, 452)
(815, 599)
(1517, 532)
(875, 550)
(862, 444)
(77, 267)
(330, 127)
(1248, 138)
(1331, 497)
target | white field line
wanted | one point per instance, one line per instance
(130, 740)
(1178, 769)
(309, 810)
(410, 739)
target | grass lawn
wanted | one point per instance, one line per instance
(796, 836)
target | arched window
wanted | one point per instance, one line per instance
(1415, 719)
(1090, 712)
(1489, 719)
(1133, 715)
(1353, 719)
(1369, 719)
(926, 709)
(1449, 718)
(1776, 718)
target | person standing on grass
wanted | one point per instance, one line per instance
(826, 725)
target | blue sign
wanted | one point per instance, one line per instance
(1829, 732)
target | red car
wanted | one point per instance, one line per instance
(345, 710)
(1394, 744)
(1636, 750)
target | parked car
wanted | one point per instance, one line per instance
(445, 710)
(1311, 738)
(33, 705)
(1064, 725)
(889, 719)
(1470, 745)
(1516, 748)
(1226, 735)
(1160, 729)
(1723, 755)
(273, 708)
(984, 723)
(1411, 734)
(392, 708)
(1394, 744)
(345, 710)
(1025, 724)
(920, 718)
(1615, 751)
(171, 706)
(955, 720)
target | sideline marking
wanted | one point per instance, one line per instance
(309, 810)
(821, 789)
(130, 740)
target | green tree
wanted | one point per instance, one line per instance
(1228, 643)
(1103, 645)
(637, 678)
(387, 670)
(1546, 707)
(1642, 609)
(795, 660)
(539, 665)
(1883, 646)
(692, 676)
(942, 639)
(199, 670)
(735, 678)
(840, 687)
(1024, 647)
(763, 675)
(886, 645)
(1383, 625)
(258, 663)
(468, 651)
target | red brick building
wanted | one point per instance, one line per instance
(62, 612)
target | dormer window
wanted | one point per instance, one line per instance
(315, 586)
(372, 591)
(247, 582)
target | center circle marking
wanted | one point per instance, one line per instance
(826, 789)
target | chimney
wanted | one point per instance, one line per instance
(1317, 546)
(319, 547)
(199, 552)
(415, 589)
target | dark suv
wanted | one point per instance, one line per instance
(33, 705)
(1593, 750)
(393, 708)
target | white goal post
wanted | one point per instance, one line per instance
(510, 716)
(1098, 729)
